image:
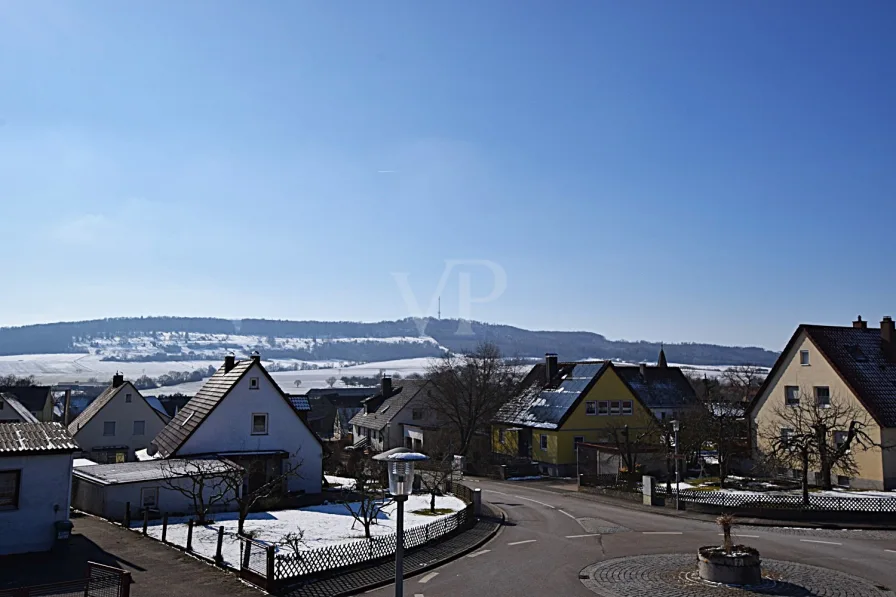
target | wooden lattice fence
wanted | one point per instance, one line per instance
(818, 503)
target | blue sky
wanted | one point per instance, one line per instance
(694, 171)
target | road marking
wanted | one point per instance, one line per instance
(567, 514)
(521, 542)
(428, 578)
(418, 594)
(580, 536)
(816, 541)
(738, 535)
(661, 533)
(891, 550)
(479, 553)
(498, 492)
(519, 497)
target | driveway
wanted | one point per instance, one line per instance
(552, 537)
(157, 570)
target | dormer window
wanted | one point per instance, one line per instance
(253, 383)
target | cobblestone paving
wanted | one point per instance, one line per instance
(870, 535)
(675, 575)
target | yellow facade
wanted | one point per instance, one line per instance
(873, 467)
(585, 422)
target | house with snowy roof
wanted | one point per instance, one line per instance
(394, 417)
(35, 485)
(824, 366)
(118, 423)
(240, 414)
(563, 404)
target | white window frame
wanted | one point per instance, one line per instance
(128, 398)
(578, 439)
(603, 408)
(787, 399)
(105, 427)
(16, 496)
(842, 435)
(142, 431)
(591, 408)
(543, 442)
(149, 491)
(266, 421)
(253, 383)
(818, 402)
(804, 358)
(628, 410)
(617, 410)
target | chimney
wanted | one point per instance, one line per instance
(256, 357)
(551, 368)
(888, 337)
(643, 368)
(229, 363)
(859, 324)
(117, 380)
(67, 407)
(386, 386)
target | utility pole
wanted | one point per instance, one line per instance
(439, 313)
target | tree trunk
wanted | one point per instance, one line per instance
(824, 460)
(805, 477)
(432, 502)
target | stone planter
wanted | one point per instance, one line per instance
(742, 567)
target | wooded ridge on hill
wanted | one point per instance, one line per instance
(326, 340)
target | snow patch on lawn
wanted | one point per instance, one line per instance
(342, 482)
(323, 525)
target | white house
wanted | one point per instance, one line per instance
(13, 411)
(117, 424)
(107, 489)
(395, 417)
(242, 415)
(35, 484)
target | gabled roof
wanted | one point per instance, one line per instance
(101, 401)
(34, 398)
(196, 411)
(157, 405)
(547, 405)
(390, 407)
(857, 355)
(12, 402)
(35, 438)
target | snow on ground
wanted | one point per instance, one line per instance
(323, 525)
(530, 478)
(82, 462)
(342, 482)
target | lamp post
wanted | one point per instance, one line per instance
(675, 427)
(400, 466)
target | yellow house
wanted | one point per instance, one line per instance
(854, 366)
(586, 402)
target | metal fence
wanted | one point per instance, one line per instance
(101, 581)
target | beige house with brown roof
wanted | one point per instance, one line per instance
(855, 365)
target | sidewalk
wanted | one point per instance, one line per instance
(415, 562)
(570, 490)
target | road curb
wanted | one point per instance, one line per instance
(417, 571)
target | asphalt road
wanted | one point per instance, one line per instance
(552, 537)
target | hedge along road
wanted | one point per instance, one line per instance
(552, 537)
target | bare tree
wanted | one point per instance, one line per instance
(720, 423)
(298, 382)
(814, 431)
(469, 389)
(630, 443)
(437, 470)
(742, 382)
(205, 483)
(331, 381)
(274, 486)
(368, 499)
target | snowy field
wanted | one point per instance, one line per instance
(323, 525)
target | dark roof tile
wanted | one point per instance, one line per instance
(390, 407)
(34, 398)
(36, 438)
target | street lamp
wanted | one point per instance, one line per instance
(675, 427)
(400, 465)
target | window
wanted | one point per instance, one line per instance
(109, 428)
(786, 433)
(1, 403)
(804, 357)
(417, 414)
(501, 436)
(579, 439)
(615, 406)
(792, 395)
(663, 416)
(591, 408)
(840, 438)
(9, 489)
(259, 423)
(253, 383)
(127, 397)
(603, 407)
(544, 442)
(823, 396)
(149, 497)
(626, 407)
(139, 427)
(842, 481)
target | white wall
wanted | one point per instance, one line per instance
(124, 414)
(45, 483)
(229, 429)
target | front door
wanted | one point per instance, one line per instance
(524, 443)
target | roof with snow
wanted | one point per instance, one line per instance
(300, 403)
(102, 400)
(213, 392)
(12, 402)
(546, 405)
(389, 407)
(150, 470)
(157, 405)
(858, 356)
(35, 438)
